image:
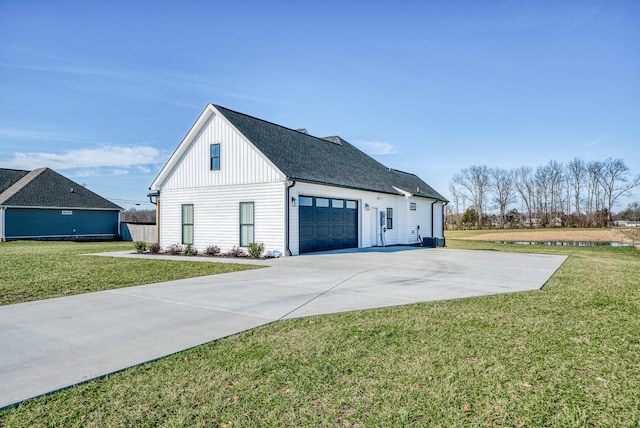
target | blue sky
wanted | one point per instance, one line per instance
(103, 92)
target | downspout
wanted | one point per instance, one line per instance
(286, 216)
(432, 234)
(444, 243)
(156, 195)
(119, 232)
(2, 209)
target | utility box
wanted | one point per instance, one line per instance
(441, 242)
(429, 242)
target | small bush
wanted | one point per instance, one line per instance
(155, 248)
(256, 249)
(141, 247)
(190, 251)
(212, 250)
(236, 252)
(174, 249)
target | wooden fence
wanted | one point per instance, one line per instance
(138, 232)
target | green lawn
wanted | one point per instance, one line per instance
(568, 355)
(41, 270)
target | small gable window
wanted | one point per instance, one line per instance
(389, 218)
(215, 157)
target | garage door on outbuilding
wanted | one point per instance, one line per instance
(327, 223)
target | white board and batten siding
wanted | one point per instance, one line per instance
(240, 161)
(245, 175)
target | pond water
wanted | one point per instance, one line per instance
(567, 244)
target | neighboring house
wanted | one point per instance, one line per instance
(627, 223)
(42, 204)
(235, 179)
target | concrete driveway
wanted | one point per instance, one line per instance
(52, 344)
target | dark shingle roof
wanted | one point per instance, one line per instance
(9, 176)
(331, 160)
(46, 188)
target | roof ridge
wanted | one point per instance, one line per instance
(402, 172)
(14, 169)
(20, 184)
(275, 124)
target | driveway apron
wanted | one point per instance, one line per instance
(52, 344)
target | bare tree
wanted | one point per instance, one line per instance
(543, 192)
(476, 181)
(524, 185)
(615, 182)
(556, 181)
(503, 189)
(576, 173)
(457, 197)
(594, 196)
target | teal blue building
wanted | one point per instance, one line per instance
(42, 204)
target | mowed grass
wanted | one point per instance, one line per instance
(567, 355)
(42, 270)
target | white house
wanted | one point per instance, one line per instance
(236, 179)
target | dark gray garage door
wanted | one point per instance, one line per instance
(327, 224)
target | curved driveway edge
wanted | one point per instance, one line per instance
(51, 344)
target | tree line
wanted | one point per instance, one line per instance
(578, 194)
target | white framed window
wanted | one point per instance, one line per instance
(214, 157)
(247, 216)
(187, 224)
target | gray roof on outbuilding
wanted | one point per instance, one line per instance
(8, 177)
(329, 160)
(44, 187)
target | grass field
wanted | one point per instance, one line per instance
(567, 355)
(41, 270)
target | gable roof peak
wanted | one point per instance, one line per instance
(44, 187)
(20, 184)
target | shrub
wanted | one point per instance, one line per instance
(155, 248)
(236, 252)
(174, 249)
(256, 249)
(190, 251)
(212, 250)
(141, 246)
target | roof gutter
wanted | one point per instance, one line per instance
(39, 207)
(152, 195)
